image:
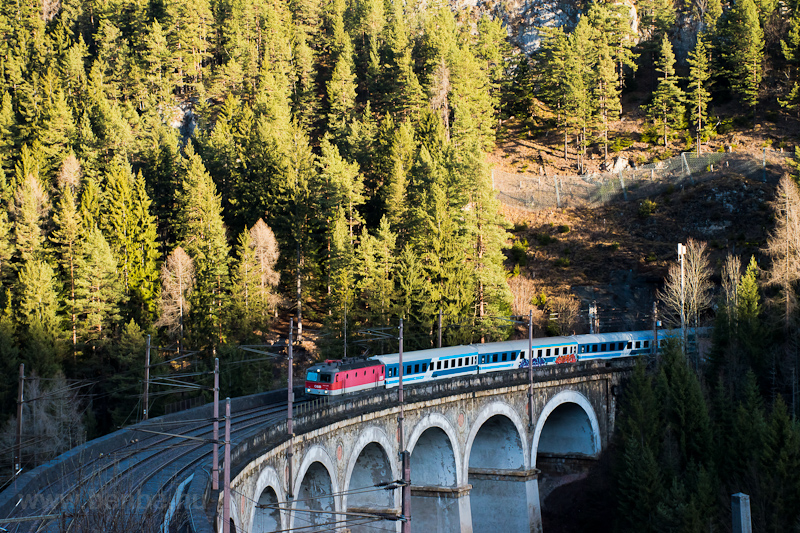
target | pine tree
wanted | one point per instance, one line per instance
(791, 53)
(606, 92)
(780, 464)
(748, 313)
(341, 91)
(67, 238)
(37, 307)
(342, 277)
(744, 51)
(684, 409)
(99, 290)
(582, 105)
(143, 255)
(699, 95)
(343, 186)
(203, 235)
(667, 108)
(641, 420)
(639, 488)
(376, 265)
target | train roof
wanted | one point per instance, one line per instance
(333, 365)
(430, 353)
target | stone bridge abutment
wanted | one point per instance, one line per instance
(477, 464)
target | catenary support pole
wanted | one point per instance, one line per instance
(655, 328)
(439, 340)
(289, 419)
(530, 368)
(20, 399)
(146, 398)
(405, 459)
(215, 459)
(226, 498)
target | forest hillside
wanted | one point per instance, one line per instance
(195, 174)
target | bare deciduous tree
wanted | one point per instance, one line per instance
(731, 274)
(783, 246)
(177, 280)
(695, 293)
(70, 173)
(267, 253)
(51, 421)
(440, 91)
(566, 309)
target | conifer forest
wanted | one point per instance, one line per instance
(202, 171)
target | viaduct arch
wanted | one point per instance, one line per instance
(474, 456)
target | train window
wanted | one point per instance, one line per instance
(638, 344)
(416, 369)
(538, 353)
(646, 344)
(325, 378)
(555, 351)
(494, 358)
(602, 347)
(424, 367)
(548, 352)
(630, 345)
(446, 363)
(583, 349)
(594, 348)
(504, 357)
(514, 356)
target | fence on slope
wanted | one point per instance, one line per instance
(537, 192)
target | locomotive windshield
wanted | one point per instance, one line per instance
(325, 378)
(312, 375)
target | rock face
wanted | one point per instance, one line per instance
(525, 19)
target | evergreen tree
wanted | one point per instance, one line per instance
(667, 107)
(342, 278)
(699, 95)
(37, 307)
(744, 51)
(639, 488)
(341, 91)
(748, 313)
(67, 237)
(606, 91)
(203, 236)
(656, 17)
(641, 421)
(780, 464)
(99, 292)
(791, 53)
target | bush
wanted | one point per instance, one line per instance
(614, 246)
(519, 251)
(562, 262)
(650, 135)
(540, 301)
(563, 228)
(646, 208)
(621, 143)
(544, 239)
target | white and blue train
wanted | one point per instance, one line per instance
(340, 377)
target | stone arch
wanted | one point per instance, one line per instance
(372, 435)
(489, 411)
(319, 464)
(576, 423)
(261, 519)
(495, 463)
(436, 420)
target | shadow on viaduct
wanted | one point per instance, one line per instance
(476, 462)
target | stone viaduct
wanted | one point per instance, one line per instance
(476, 462)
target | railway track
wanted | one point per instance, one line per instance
(136, 478)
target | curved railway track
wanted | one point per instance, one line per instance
(139, 476)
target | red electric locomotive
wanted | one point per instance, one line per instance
(343, 376)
